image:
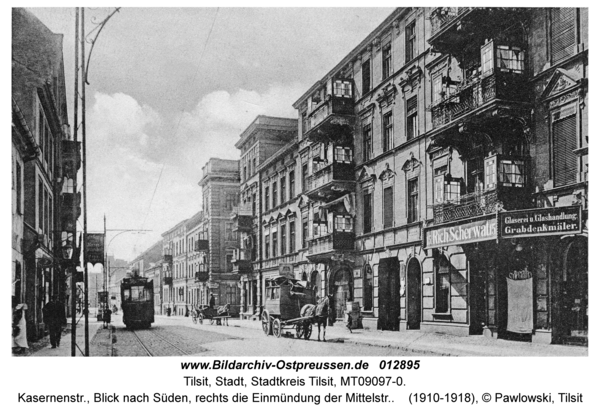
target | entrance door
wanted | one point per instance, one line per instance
(574, 294)
(389, 294)
(413, 295)
(477, 300)
(341, 291)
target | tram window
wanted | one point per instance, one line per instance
(127, 295)
(138, 293)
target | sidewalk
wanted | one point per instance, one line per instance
(99, 342)
(438, 344)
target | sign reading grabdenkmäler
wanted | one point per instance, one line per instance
(541, 222)
(95, 248)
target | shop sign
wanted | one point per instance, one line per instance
(212, 286)
(477, 231)
(286, 270)
(541, 222)
(94, 244)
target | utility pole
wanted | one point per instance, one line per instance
(73, 269)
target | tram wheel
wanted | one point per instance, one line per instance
(277, 328)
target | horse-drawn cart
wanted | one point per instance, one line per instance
(284, 301)
(219, 315)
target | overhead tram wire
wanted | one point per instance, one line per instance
(181, 115)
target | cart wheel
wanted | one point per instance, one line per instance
(307, 330)
(212, 321)
(277, 328)
(266, 322)
(201, 319)
(299, 330)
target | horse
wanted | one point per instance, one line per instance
(318, 314)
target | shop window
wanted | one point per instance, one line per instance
(342, 88)
(413, 199)
(388, 131)
(368, 288)
(442, 286)
(388, 207)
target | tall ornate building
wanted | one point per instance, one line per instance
(45, 165)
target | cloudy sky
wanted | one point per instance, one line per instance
(170, 88)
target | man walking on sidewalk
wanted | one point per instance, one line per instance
(54, 315)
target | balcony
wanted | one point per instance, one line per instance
(201, 276)
(491, 91)
(168, 280)
(331, 181)
(454, 28)
(332, 120)
(70, 210)
(242, 260)
(71, 158)
(481, 203)
(321, 248)
(242, 218)
(201, 245)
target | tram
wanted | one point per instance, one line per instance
(137, 302)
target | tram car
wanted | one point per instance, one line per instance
(137, 302)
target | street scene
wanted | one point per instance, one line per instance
(208, 182)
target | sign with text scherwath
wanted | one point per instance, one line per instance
(541, 222)
(95, 248)
(464, 233)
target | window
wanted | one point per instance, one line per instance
(368, 289)
(283, 194)
(231, 200)
(304, 177)
(388, 207)
(274, 241)
(367, 141)
(436, 88)
(343, 223)
(40, 206)
(564, 143)
(413, 200)
(442, 286)
(283, 239)
(231, 294)
(254, 165)
(267, 244)
(562, 33)
(230, 235)
(412, 118)
(342, 88)
(366, 77)
(439, 175)
(475, 175)
(275, 194)
(512, 173)
(254, 204)
(343, 154)
(510, 59)
(411, 41)
(292, 236)
(267, 205)
(229, 258)
(367, 213)
(304, 234)
(245, 174)
(388, 131)
(386, 60)
(487, 59)
(292, 184)
(19, 185)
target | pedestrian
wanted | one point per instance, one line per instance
(106, 317)
(115, 309)
(168, 311)
(19, 328)
(211, 303)
(187, 311)
(54, 315)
